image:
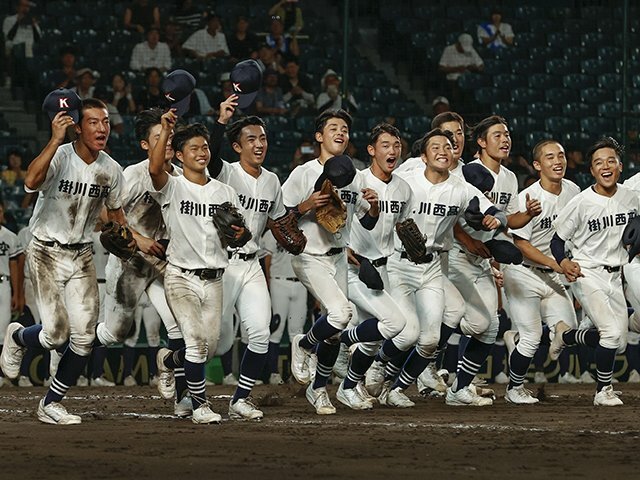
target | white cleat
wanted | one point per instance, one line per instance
(243, 409)
(539, 377)
(341, 367)
(586, 377)
(607, 397)
(153, 381)
(634, 377)
(12, 353)
(365, 394)
(276, 379)
(183, 408)
(429, 381)
(520, 396)
(166, 379)
(82, 381)
(510, 338)
(352, 398)
(229, 379)
(319, 398)
(568, 378)
(557, 344)
(395, 397)
(313, 366)
(102, 382)
(501, 378)
(374, 378)
(300, 361)
(467, 396)
(24, 381)
(55, 414)
(204, 415)
(129, 381)
(384, 392)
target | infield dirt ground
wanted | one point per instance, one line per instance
(131, 433)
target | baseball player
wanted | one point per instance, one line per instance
(471, 272)
(75, 181)
(374, 247)
(196, 257)
(11, 293)
(632, 274)
(322, 267)
(438, 201)
(534, 289)
(593, 222)
(288, 300)
(244, 284)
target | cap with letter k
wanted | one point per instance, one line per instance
(62, 100)
(246, 78)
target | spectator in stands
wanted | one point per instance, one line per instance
(209, 42)
(243, 44)
(115, 119)
(296, 89)
(188, 16)
(21, 31)
(440, 105)
(226, 89)
(85, 83)
(290, 14)
(269, 100)
(14, 171)
(330, 97)
(284, 44)
(307, 150)
(575, 164)
(141, 15)
(352, 151)
(495, 34)
(66, 76)
(152, 53)
(267, 59)
(121, 98)
(151, 95)
(173, 38)
(457, 59)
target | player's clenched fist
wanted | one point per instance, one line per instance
(371, 196)
(490, 222)
(534, 208)
(169, 119)
(59, 126)
(571, 270)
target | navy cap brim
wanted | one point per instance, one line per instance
(74, 114)
(245, 100)
(182, 106)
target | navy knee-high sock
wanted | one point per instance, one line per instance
(462, 346)
(633, 357)
(274, 354)
(605, 360)
(320, 331)
(387, 351)
(194, 374)
(585, 356)
(474, 356)
(588, 337)
(70, 367)
(518, 367)
(98, 356)
(177, 344)
(227, 362)
(540, 357)
(250, 369)
(412, 368)
(499, 355)
(360, 363)
(27, 359)
(175, 359)
(327, 355)
(564, 360)
(151, 360)
(445, 334)
(367, 331)
(545, 339)
(393, 367)
(28, 337)
(128, 353)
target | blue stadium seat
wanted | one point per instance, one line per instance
(496, 67)
(597, 125)
(372, 79)
(578, 110)
(526, 95)
(562, 66)
(509, 81)
(305, 125)
(541, 53)
(561, 95)
(526, 66)
(594, 39)
(557, 125)
(522, 125)
(542, 109)
(386, 94)
(596, 12)
(417, 125)
(544, 81)
(579, 81)
(610, 109)
(635, 81)
(610, 81)
(472, 81)
(489, 95)
(575, 139)
(596, 95)
(597, 66)
(561, 40)
(404, 109)
(528, 39)
(532, 138)
(509, 110)
(370, 109)
(609, 51)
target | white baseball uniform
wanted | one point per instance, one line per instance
(409, 164)
(24, 238)
(60, 255)
(126, 281)
(594, 225)
(632, 270)
(10, 249)
(147, 314)
(244, 284)
(322, 267)
(535, 292)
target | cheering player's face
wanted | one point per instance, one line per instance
(497, 142)
(458, 135)
(94, 128)
(385, 153)
(252, 145)
(195, 154)
(551, 162)
(606, 167)
(334, 137)
(438, 154)
(150, 143)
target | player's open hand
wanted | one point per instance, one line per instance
(150, 246)
(169, 120)
(571, 270)
(317, 199)
(59, 126)
(534, 208)
(371, 196)
(227, 109)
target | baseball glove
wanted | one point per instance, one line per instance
(286, 232)
(117, 239)
(414, 241)
(473, 216)
(226, 216)
(333, 215)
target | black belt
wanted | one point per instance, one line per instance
(334, 251)
(428, 259)
(242, 256)
(291, 279)
(379, 262)
(102, 280)
(540, 269)
(205, 273)
(65, 246)
(612, 269)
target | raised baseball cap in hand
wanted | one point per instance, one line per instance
(177, 88)
(62, 100)
(246, 79)
(339, 170)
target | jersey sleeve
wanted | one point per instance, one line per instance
(526, 231)
(114, 199)
(15, 247)
(163, 196)
(52, 172)
(277, 210)
(292, 189)
(568, 220)
(513, 205)
(268, 243)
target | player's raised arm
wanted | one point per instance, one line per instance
(520, 219)
(158, 174)
(227, 109)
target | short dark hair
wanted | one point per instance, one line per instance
(605, 142)
(324, 117)
(380, 129)
(235, 129)
(187, 132)
(150, 70)
(445, 117)
(537, 149)
(416, 147)
(88, 103)
(145, 121)
(482, 127)
(436, 132)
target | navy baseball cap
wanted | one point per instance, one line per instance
(504, 252)
(339, 170)
(246, 79)
(478, 176)
(631, 237)
(178, 87)
(63, 100)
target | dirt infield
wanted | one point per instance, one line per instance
(130, 433)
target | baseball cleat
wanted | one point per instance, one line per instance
(586, 377)
(300, 361)
(229, 379)
(204, 415)
(429, 381)
(153, 381)
(313, 366)
(12, 353)
(351, 398)
(396, 398)
(102, 382)
(501, 378)
(243, 409)
(607, 397)
(129, 381)
(319, 398)
(365, 394)
(466, 396)
(24, 381)
(341, 367)
(167, 381)
(634, 377)
(183, 408)
(374, 379)
(55, 414)
(82, 381)
(567, 378)
(384, 392)
(276, 379)
(520, 396)
(510, 338)
(557, 344)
